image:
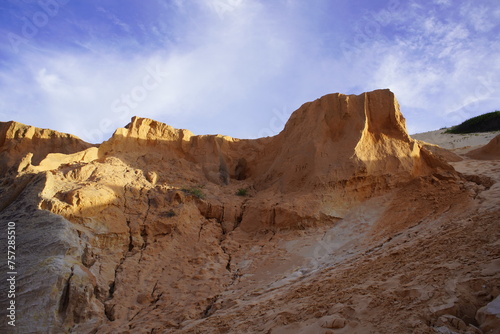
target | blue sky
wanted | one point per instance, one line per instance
(240, 67)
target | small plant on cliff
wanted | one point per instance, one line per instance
(242, 192)
(194, 191)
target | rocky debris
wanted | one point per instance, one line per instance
(442, 153)
(488, 317)
(448, 324)
(357, 228)
(334, 323)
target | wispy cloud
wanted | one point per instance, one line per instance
(226, 66)
(114, 19)
(441, 64)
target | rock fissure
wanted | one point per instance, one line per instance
(209, 310)
(65, 296)
(130, 237)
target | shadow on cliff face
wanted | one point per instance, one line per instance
(22, 145)
(145, 248)
(150, 145)
(104, 265)
(127, 220)
(147, 245)
(123, 219)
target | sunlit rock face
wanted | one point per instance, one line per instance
(342, 221)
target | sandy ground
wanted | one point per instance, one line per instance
(452, 141)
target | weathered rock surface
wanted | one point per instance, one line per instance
(488, 317)
(343, 223)
(22, 145)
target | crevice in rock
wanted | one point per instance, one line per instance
(239, 218)
(272, 237)
(112, 288)
(157, 298)
(112, 285)
(125, 199)
(273, 217)
(153, 293)
(140, 257)
(65, 296)
(209, 309)
(133, 317)
(221, 219)
(108, 311)
(233, 275)
(130, 239)
(228, 265)
(144, 236)
(144, 233)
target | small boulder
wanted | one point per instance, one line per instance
(488, 317)
(334, 323)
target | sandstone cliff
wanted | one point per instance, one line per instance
(344, 222)
(21, 145)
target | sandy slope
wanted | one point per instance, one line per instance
(453, 141)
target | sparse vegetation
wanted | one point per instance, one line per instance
(242, 192)
(482, 123)
(194, 191)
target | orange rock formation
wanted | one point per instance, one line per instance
(345, 224)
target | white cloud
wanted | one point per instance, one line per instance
(441, 67)
(48, 82)
(479, 16)
(443, 2)
(228, 72)
(231, 58)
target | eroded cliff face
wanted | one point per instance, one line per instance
(146, 232)
(21, 145)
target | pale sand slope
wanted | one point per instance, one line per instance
(462, 145)
(452, 141)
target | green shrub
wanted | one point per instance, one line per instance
(482, 123)
(242, 192)
(194, 191)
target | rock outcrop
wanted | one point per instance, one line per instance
(23, 145)
(322, 226)
(489, 317)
